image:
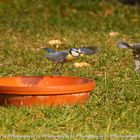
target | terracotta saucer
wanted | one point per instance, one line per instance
(44, 90)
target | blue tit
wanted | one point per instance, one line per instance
(63, 56)
(135, 50)
(60, 57)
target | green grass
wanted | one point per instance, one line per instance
(113, 107)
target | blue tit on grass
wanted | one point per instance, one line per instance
(135, 50)
(60, 57)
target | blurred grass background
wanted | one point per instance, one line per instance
(113, 107)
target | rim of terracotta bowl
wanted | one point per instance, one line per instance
(45, 85)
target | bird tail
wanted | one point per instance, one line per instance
(123, 45)
(49, 50)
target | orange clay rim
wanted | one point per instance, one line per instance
(47, 90)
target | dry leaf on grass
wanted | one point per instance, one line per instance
(81, 64)
(113, 33)
(55, 43)
(108, 12)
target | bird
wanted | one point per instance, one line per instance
(61, 57)
(135, 51)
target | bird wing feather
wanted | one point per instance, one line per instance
(89, 50)
(122, 44)
(50, 50)
(136, 46)
(57, 57)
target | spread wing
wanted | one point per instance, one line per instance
(123, 45)
(57, 57)
(89, 50)
(136, 46)
(50, 50)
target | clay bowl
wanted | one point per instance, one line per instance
(44, 90)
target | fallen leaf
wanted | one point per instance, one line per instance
(108, 12)
(63, 11)
(81, 64)
(55, 43)
(113, 33)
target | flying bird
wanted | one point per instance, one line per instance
(135, 50)
(61, 57)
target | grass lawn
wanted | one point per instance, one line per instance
(114, 106)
